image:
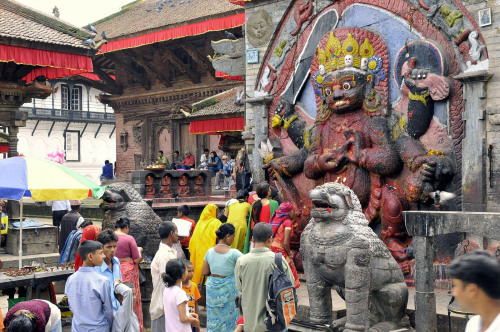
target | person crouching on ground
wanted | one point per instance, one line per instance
(89, 292)
(124, 319)
(175, 300)
(475, 279)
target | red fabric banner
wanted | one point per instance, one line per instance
(94, 76)
(220, 74)
(239, 2)
(216, 126)
(194, 29)
(52, 64)
(4, 148)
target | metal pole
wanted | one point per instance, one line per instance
(21, 234)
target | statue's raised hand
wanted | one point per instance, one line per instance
(353, 145)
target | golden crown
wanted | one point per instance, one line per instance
(348, 54)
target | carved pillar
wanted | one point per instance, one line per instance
(256, 131)
(473, 144)
(13, 131)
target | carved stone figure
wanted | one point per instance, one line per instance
(259, 28)
(183, 188)
(198, 187)
(301, 15)
(121, 200)
(350, 141)
(165, 187)
(150, 189)
(340, 250)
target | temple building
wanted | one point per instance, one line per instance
(155, 67)
(34, 48)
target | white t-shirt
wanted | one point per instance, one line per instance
(475, 324)
(172, 297)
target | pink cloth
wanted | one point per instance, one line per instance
(189, 161)
(172, 297)
(126, 247)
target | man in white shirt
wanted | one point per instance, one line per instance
(475, 279)
(204, 159)
(168, 235)
(59, 209)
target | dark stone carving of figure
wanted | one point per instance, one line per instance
(183, 188)
(121, 200)
(340, 250)
(165, 187)
(198, 185)
(150, 189)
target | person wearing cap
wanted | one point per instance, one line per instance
(224, 174)
(70, 222)
(188, 161)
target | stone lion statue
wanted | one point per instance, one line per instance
(122, 200)
(340, 250)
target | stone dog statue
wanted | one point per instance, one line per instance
(122, 200)
(340, 250)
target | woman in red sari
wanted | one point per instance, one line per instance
(130, 256)
(89, 233)
(282, 224)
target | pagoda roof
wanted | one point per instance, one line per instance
(221, 105)
(21, 23)
(141, 17)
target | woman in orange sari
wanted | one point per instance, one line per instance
(89, 233)
(130, 256)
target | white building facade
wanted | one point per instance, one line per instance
(72, 120)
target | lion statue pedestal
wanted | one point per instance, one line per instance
(340, 250)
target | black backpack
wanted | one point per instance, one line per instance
(281, 301)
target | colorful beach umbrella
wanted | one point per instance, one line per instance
(43, 180)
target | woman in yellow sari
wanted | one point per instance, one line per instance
(203, 238)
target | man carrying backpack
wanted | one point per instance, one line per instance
(252, 272)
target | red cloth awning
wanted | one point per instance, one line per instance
(4, 148)
(94, 77)
(194, 29)
(239, 2)
(225, 76)
(51, 64)
(216, 126)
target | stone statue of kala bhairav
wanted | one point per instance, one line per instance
(386, 160)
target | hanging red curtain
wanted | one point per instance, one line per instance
(216, 126)
(194, 29)
(225, 76)
(51, 64)
(4, 148)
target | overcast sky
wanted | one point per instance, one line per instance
(78, 13)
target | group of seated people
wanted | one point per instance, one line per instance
(222, 168)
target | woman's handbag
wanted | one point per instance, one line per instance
(142, 275)
(203, 293)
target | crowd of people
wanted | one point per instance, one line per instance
(223, 168)
(230, 256)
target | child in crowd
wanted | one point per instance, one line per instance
(124, 319)
(191, 290)
(89, 292)
(240, 322)
(175, 300)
